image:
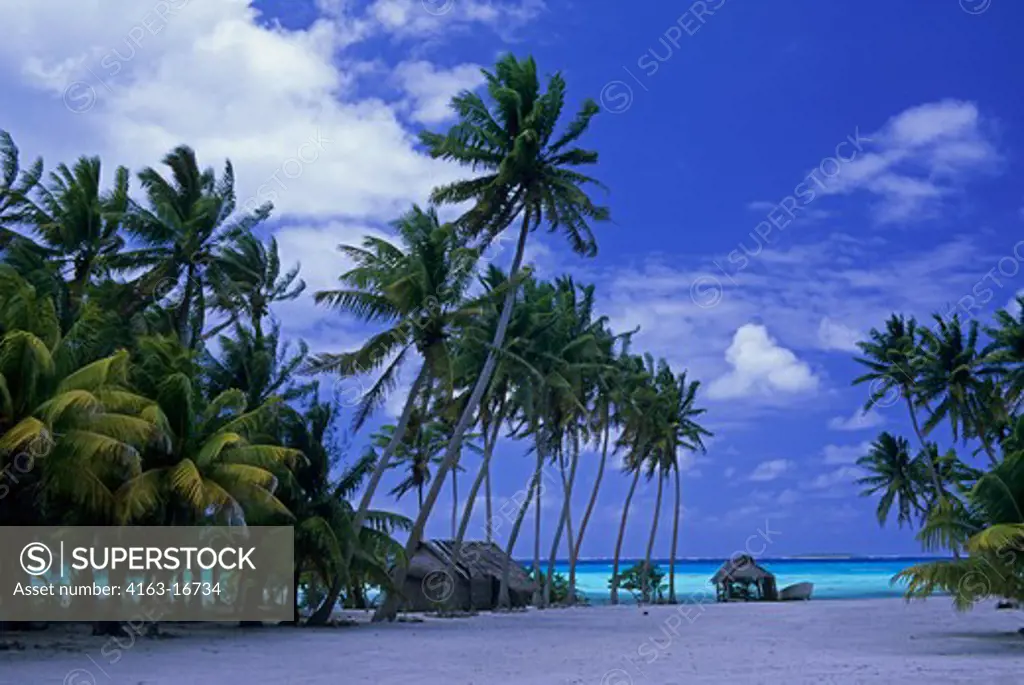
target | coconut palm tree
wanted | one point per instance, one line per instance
(77, 225)
(895, 359)
(634, 441)
(189, 217)
(15, 185)
(895, 475)
(529, 173)
(92, 424)
(213, 468)
(688, 435)
(603, 417)
(245, 278)
(418, 289)
(952, 378)
(993, 526)
(1004, 355)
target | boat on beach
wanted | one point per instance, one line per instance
(796, 591)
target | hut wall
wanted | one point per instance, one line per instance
(417, 600)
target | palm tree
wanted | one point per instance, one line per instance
(993, 526)
(635, 385)
(413, 453)
(214, 467)
(15, 185)
(418, 290)
(951, 377)
(324, 541)
(892, 473)
(609, 382)
(246, 279)
(78, 226)
(86, 413)
(895, 359)
(689, 435)
(529, 173)
(189, 218)
(1004, 356)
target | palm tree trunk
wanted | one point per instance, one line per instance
(489, 530)
(474, 489)
(455, 498)
(587, 513)
(675, 540)
(185, 307)
(419, 492)
(504, 601)
(648, 590)
(537, 597)
(564, 523)
(622, 534)
(924, 445)
(323, 612)
(389, 607)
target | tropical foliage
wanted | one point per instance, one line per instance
(965, 495)
(138, 345)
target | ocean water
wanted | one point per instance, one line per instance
(833, 578)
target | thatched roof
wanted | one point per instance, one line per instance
(740, 569)
(479, 559)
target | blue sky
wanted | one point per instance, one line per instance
(782, 175)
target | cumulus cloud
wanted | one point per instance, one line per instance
(770, 470)
(845, 454)
(761, 367)
(430, 89)
(834, 335)
(844, 475)
(860, 420)
(919, 158)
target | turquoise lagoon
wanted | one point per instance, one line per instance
(833, 578)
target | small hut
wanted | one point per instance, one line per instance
(475, 583)
(741, 579)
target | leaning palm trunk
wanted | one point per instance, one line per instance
(504, 601)
(467, 512)
(537, 594)
(586, 515)
(647, 590)
(622, 533)
(389, 607)
(941, 491)
(455, 497)
(675, 540)
(563, 524)
(323, 613)
(489, 513)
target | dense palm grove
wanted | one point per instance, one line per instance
(961, 384)
(144, 379)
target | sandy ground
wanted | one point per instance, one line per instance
(824, 642)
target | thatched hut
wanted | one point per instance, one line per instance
(474, 584)
(741, 579)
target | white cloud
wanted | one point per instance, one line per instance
(844, 475)
(430, 89)
(1011, 306)
(837, 336)
(861, 420)
(845, 454)
(761, 367)
(729, 472)
(787, 497)
(285, 105)
(770, 470)
(919, 158)
(429, 18)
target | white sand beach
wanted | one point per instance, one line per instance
(833, 642)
